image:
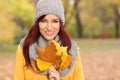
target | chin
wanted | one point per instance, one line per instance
(50, 38)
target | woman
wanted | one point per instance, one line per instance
(48, 26)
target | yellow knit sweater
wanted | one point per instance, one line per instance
(23, 73)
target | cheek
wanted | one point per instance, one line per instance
(41, 28)
(57, 27)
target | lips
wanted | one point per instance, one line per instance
(49, 33)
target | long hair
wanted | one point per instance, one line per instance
(34, 34)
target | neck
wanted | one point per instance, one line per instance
(43, 42)
(47, 42)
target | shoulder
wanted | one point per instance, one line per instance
(22, 41)
(74, 44)
(74, 48)
(20, 47)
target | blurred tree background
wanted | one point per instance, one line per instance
(84, 18)
(93, 18)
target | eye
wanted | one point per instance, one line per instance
(43, 20)
(55, 21)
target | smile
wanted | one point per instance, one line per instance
(49, 33)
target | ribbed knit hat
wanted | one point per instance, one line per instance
(50, 7)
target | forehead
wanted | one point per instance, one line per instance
(51, 16)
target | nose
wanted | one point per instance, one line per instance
(49, 26)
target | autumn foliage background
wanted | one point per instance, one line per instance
(95, 24)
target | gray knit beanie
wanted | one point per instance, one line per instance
(50, 7)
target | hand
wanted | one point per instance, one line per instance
(53, 73)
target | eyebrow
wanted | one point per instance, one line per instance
(55, 19)
(52, 19)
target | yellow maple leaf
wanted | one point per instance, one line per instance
(42, 65)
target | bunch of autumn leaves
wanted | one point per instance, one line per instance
(52, 55)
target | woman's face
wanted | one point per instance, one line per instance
(49, 26)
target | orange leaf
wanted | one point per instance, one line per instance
(67, 62)
(48, 54)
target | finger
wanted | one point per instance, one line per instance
(53, 73)
(52, 79)
(53, 76)
(52, 69)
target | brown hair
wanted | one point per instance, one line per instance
(34, 34)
